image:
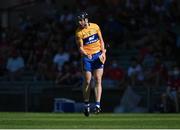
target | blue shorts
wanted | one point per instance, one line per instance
(92, 64)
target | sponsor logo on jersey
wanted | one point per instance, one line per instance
(91, 39)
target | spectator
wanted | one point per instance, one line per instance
(135, 72)
(15, 66)
(64, 76)
(172, 93)
(45, 68)
(114, 76)
(60, 58)
(158, 73)
(76, 75)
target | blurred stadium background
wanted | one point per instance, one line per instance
(40, 65)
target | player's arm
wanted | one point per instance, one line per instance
(79, 42)
(101, 41)
(103, 56)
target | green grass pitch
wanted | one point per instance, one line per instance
(102, 121)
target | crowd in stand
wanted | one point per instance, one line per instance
(47, 46)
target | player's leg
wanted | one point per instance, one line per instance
(98, 73)
(86, 85)
(86, 91)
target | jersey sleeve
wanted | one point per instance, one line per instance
(98, 30)
(78, 38)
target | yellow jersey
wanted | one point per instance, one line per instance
(89, 37)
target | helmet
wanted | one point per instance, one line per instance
(82, 15)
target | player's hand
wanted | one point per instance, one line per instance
(102, 57)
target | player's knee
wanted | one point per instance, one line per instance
(98, 80)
